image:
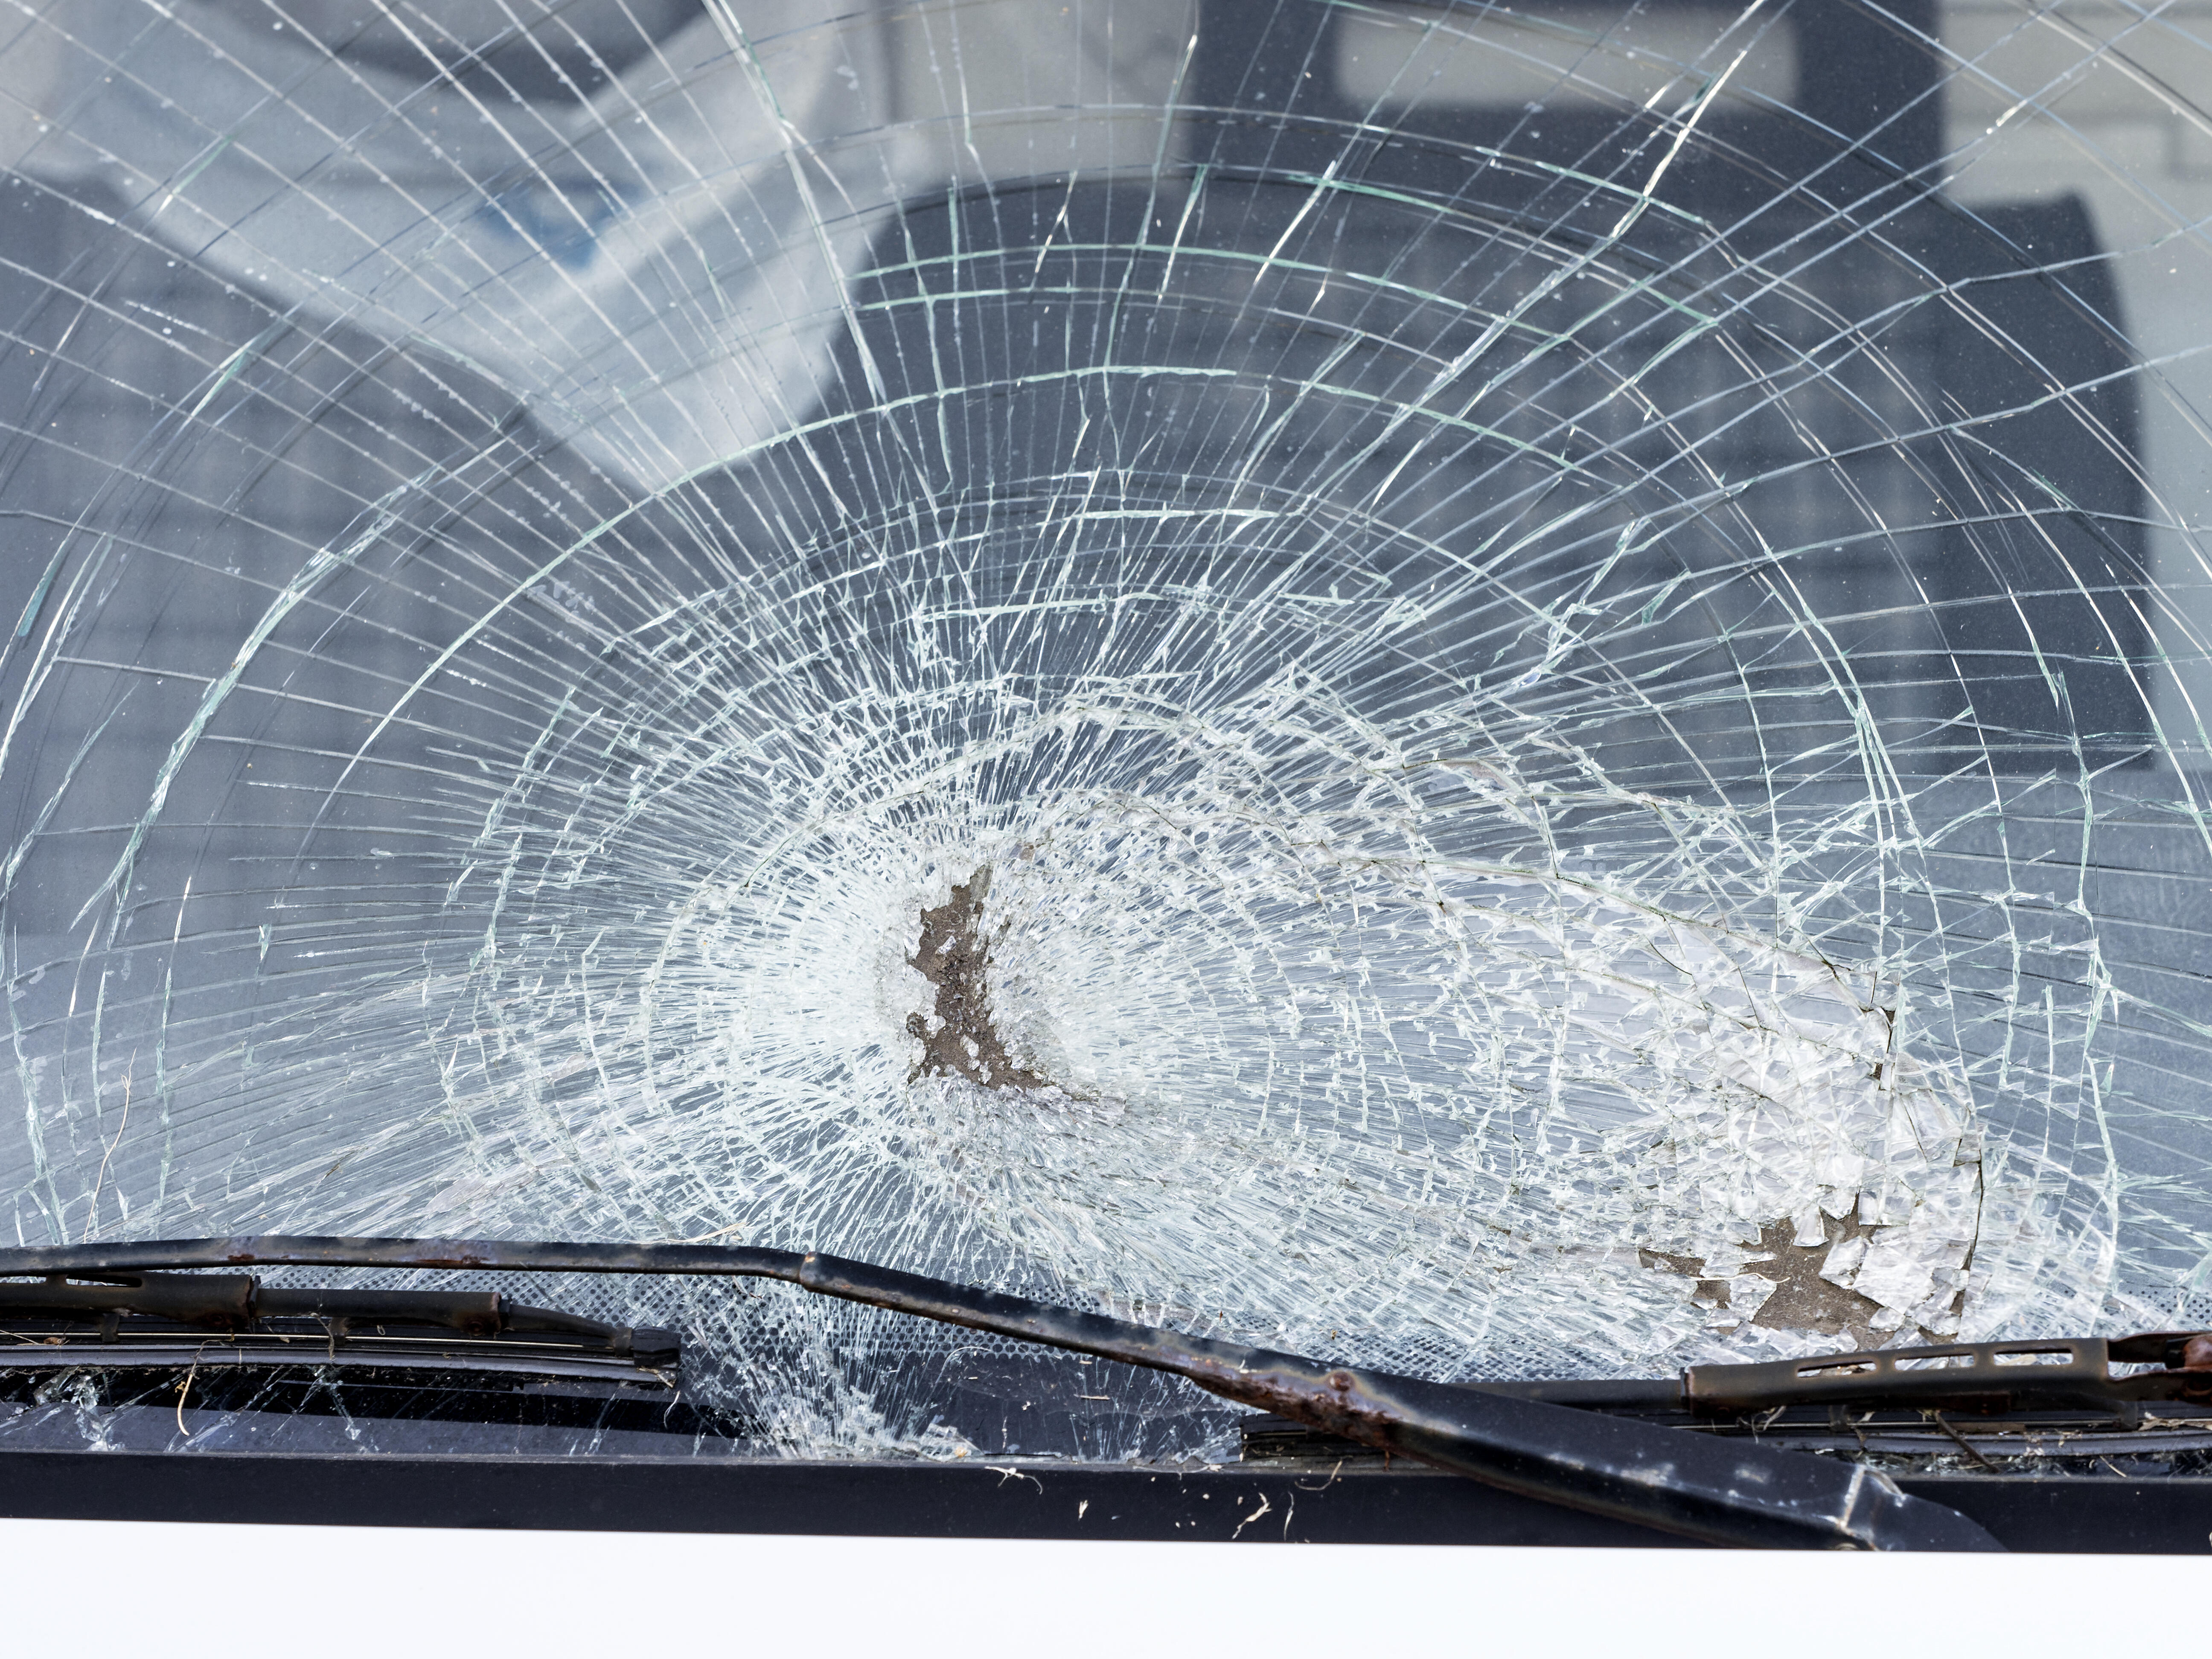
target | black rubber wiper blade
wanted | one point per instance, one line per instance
(2017, 1376)
(108, 1292)
(1721, 1492)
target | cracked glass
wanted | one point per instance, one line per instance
(1496, 691)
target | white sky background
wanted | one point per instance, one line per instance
(476, 1592)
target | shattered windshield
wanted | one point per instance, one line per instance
(1499, 691)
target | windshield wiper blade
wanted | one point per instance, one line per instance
(2029, 1374)
(1719, 1491)
(2018, 1376)
(236, 1302)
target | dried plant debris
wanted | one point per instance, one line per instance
(1283, 679)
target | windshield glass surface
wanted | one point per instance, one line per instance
(1493, 691)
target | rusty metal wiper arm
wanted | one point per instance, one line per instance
(1722, 1492)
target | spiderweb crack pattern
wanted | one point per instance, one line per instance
(1192, 658)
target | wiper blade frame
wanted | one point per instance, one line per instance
(239, 1302)
(2028, 1374)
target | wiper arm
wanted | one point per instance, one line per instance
(1715, 1491)
(238, 1303)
